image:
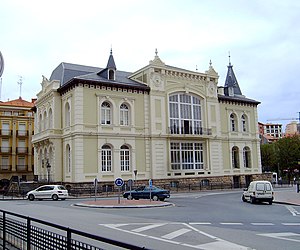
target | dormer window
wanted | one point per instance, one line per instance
(111, 74)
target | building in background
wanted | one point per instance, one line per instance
(159, 122)
(269, 132)
(292, 128)
(16, 130)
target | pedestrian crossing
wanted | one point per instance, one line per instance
(187, 234)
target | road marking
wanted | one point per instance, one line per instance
(231, 223)
(141, 229)
(262, 224)
(282, 236)
(200, 223)
(293, 211)
(175, 234)
(291, 224)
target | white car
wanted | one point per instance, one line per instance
(53, 192)
(259, 191)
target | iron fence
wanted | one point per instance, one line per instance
(22, 232)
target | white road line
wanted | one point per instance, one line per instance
(262, 224)
(141, 229)
(176, 233)
(231, 223)
(293, 211)
(282, 236)
(291, 224)
(200, 223)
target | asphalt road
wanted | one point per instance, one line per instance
(210, 220)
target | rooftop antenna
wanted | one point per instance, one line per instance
(20, 82)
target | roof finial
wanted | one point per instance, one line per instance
(196, 67)
(229, 58)
(156, 52)
(210, 63)
(111, 49)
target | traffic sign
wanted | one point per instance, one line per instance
(150, 183)
(119, 182)
(130, 183)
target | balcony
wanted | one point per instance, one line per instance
(5, 132)
(5, 150)
(5, 168)
(189, 130)
(21, 133)
(22, 150)
(21, 168)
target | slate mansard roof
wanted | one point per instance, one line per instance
(69, 74)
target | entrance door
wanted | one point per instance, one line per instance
(236, 182)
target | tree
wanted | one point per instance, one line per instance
(268, 157)
(288, 154)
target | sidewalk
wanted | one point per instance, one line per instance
(286, 196)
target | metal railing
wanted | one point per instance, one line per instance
(21, 232)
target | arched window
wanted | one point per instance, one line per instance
(68, 158)
(125, 158)
(124, 115)
(244, 123)
(105, 113)
(106, 158)
(233, 122)
(67, 115)
(45, 120)
(247, 157)
(185, 114)
(40, 123)
(50, 117)
(235, 157)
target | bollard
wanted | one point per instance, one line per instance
(297, 187)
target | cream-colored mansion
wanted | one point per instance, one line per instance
(164, 122)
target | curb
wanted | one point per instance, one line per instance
(166, 204)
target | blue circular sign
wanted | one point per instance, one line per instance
(119, 182)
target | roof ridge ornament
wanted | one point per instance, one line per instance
(211, 71)
(157, 60)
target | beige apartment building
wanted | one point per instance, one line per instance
(160, 122)
(16, 131)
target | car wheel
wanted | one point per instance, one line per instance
(55, 197)
(155, 197)
(252, 200)
(31, 197)
(244, 199)
(129, 197)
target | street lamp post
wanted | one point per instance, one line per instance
(48, 169)
(135, 173)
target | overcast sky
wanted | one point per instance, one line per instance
(263, 37)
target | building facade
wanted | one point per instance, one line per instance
(17, 129)
(159, 122)
(270, 132)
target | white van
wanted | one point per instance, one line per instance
(259, 191)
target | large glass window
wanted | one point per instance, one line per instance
(67, 115)
(247, 157)
(106, 156)
(5, 128)
(186, 155)
(124, 115)
(235, 157)
(22, 129)
(244, 123)
(233, 122)
(185, 114)
(105, 113)
(5, 163)
(68, 158)
(125, 158)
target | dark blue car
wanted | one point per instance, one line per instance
(143, 192)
